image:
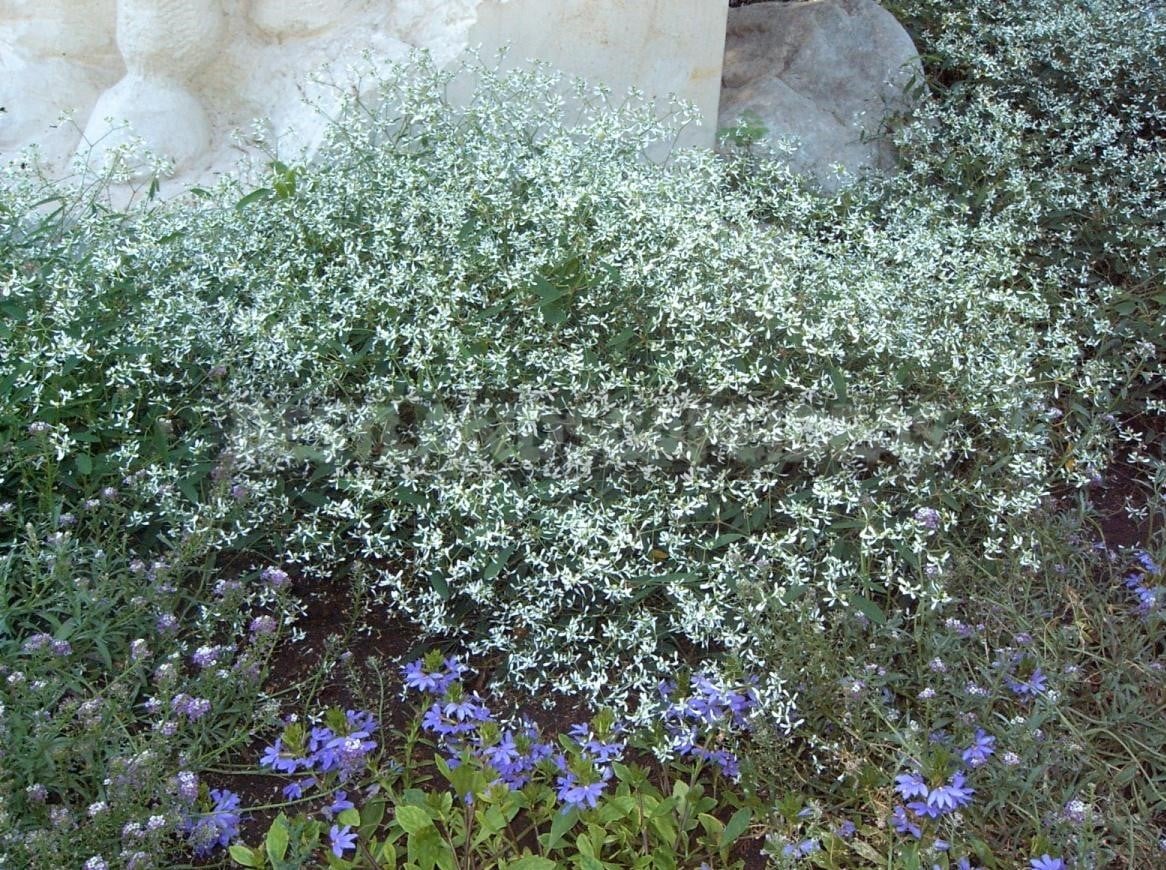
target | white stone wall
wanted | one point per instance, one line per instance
(183, 77)
(659, 46)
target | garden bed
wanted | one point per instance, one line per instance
(884, 467)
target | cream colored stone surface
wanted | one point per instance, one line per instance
(56, 56)
(662, 47)
(198, 83)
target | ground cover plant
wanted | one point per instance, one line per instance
(886, 463)
(508, 784)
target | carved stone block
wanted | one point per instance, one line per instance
(186, 74)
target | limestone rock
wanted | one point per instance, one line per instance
(56, 56)
(163, 44)
(825, 73)
(299, 18)
(661, 47)
(202, 84)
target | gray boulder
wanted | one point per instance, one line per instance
(825, 73)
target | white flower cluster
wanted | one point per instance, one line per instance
(590, 413)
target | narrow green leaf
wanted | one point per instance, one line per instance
(561, 826)
(277, 838)
(736, 826)
(664, 808)
(554, 314)
(315, 499)
(388, 855)
(188, 489)
(868, 852)
(532, 862)
(437, 582)
(496, 564)
(618, 341)
(622, 772)
(838, 381)
(663, 859)
(372, 813)
(664, 827)
(428, 850)
(868, 609)
(254, 196)
(548, 292)
(722, 540)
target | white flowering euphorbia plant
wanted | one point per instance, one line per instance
(584, 411)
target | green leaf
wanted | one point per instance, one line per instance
(428, 850)
(497, 563)
(722, 540)
(315, 499)
(551, 303)
(583, 844)
(838, 381)
(277, 838)
(466, 778)
(413, 819)
(371, 815)
(664, 807)
(254, 196)
(188, 488)
(388, 855)
(910, 858)
(490, 821)
(867, 851)
(84, 463)
(560, 826)
(622, 772)
(548, 292)
(532, 862)
(437, 582)
(712, 825)
(663, 859)
(349, 817)
(553, 315)
(245, 857)
(618, 341)
(664, 827)
(285, 181)
(736, 826)
(984, 853)
(868, 609)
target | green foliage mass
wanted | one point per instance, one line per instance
(586, 415)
